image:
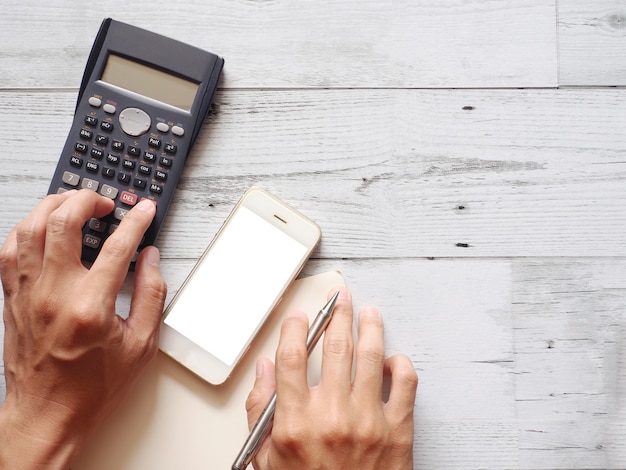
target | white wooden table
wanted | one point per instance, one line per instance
(466, 160)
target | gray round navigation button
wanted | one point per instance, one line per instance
(134, 121)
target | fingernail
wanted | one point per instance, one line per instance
(297, 314)
(372, 312)
(146, 205)
(152, 256)
(344, 293)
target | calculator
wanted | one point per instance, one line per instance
(142, 101)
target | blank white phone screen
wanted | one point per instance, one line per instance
(235, 285)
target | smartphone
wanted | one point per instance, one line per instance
(257, 253)
(140, 106)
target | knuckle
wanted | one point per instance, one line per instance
(338, 346)
(27, 230)
(369, 434)
(373, 354)
(289, 435)
(85, 319)
(403, 372)
(291, 357)
(59, 221)
(337, 430)
(407, 377)
(155, 288)
(118, 246)
(8, 255)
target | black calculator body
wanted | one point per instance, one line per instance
(141, 104)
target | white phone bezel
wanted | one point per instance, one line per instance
(286, 219)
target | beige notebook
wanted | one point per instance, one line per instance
(173, 419)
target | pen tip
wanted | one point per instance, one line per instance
(331, 303)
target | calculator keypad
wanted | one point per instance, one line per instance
(124, 170)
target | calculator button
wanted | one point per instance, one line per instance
(155, 143)
(97, 153)
(149, 156)
(139, 183)
(130, 199)
(97, 225)
(123, 177)
(160, 175)
(108, 172)
(144, 169)
(91, 121)
(113, 159)
(90, 184)
(165, 161)
(120, 213)
(91, 241)
(95, 102)
(128, 164)
(117, 145)
(113, 228)
(134, 151)
(86, 134)
(109, 108)
(102, 139)
(178, 131)
(70, 178)
(162, 127)
(156, 189)
(134, 121)
(76, 161)
(92, 167)
(106, 126)
(80, 147)
(170, 148)
(108, 191)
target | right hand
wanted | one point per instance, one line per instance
(341, 423)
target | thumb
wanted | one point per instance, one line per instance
(146, 306)
(264, 387)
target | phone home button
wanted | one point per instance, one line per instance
(134, 121)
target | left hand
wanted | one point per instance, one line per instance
(69, 359)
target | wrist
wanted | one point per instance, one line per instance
(37, 438)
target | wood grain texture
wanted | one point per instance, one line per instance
(592, 41)
(311, 43)
(386, 173)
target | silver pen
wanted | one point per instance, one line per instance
(262, 426)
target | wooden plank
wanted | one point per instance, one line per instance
(386, 173)
(592, 42)
(321, 43)
(570, 338)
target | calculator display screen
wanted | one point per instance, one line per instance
(149, 82)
